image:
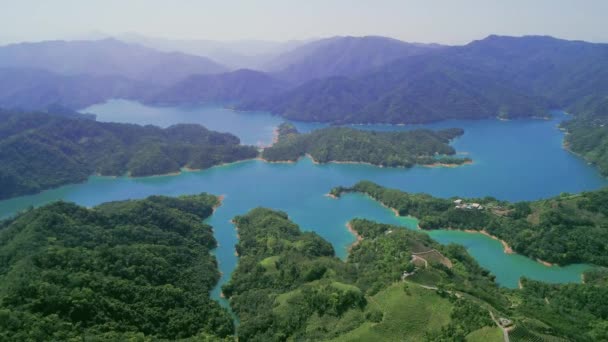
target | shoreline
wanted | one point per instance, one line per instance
(220, 201)
(434, 165)
(236, 253)
(506, 248)
(340, 162)
(276, 161)
(546, 263)
(358, 237)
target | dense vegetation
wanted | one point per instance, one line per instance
(587, 133)
(404, 149)
(40, 151)
(578, 311)
(565, 229)
(142, 270)
(132, 270)
(289, 285)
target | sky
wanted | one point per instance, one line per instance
(439, 21)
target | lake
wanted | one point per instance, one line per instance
(513, 160)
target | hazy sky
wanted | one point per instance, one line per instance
(442, 21)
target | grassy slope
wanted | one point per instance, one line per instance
(486, 334)
(406, 317)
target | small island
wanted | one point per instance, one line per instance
(348, 145)
(562, 230)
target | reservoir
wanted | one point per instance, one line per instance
(512, 160)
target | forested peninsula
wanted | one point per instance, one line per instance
(396, 284)
(391, 149)
(39, 151)
(587, 133)
(565, 229)
(137, 270)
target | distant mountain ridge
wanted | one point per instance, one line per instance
(342, 56)
(35, 89)
(508, 77)
(337, 80)
(107, 57)
(238, 54)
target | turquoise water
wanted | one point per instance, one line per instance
(515, 160)
(254, 129)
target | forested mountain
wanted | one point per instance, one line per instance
(35, 89)
(40, 151)
(341, 144)
(395, 285)
(341, 56)
(507, 77)
(346, 79)
(565, 229)
(108, 57)
(587, 133)
(236, 86)
(116, 272)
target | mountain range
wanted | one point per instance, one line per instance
(497, 76)
(336, 80)
(107, 57)
(342, 56)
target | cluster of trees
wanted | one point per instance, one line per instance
(565, 229)
(289, 285)
(576, 311)
(40, 151)
(392, 149)
(125, 270)
(278, 284)
(143, 270)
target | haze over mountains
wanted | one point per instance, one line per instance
(342, 56)
(338, 80)
(251, 54)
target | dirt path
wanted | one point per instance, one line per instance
(415, 257)
(505, 331)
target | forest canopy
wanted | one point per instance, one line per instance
(396, 284)
(341, 144)
(39, 151)
(564, 230)
(137, 269)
